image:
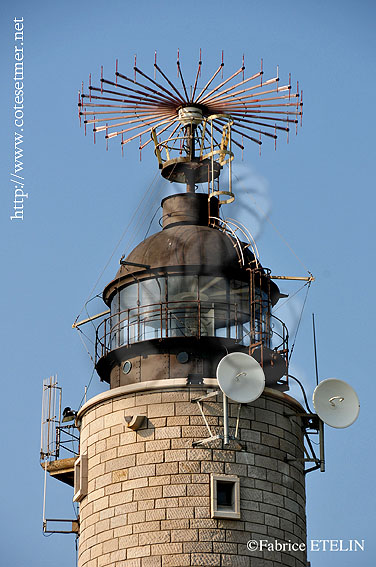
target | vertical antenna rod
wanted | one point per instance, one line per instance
(314, 348)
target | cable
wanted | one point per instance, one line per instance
(149, 227)
(87, 312)
(86, 336)
(117, 245)
(142, 215)
(76, 547)
(83, 342)
(87, 388)
(300, 320)
(304, 394)
(274, 228)
(134, 235)
(290, 297)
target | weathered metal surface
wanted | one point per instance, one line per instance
(188, 208)
(62, 469)
(157, 360)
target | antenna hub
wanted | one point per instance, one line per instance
(190, 115)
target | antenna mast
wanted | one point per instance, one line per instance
(193, 134)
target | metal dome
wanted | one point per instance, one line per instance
(187, 245)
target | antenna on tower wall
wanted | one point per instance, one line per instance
(51, 443)
(240, 378)
(51, 416)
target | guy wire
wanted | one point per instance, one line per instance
(117, 245)
(300, 320)
(266, 216)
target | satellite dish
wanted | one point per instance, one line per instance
(240, 377)
(336, 403)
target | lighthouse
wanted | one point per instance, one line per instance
(175, 469)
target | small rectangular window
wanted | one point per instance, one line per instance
(225, 496)
(80, 478)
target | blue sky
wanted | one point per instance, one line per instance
(318, 192)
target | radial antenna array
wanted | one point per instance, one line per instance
(193, 122)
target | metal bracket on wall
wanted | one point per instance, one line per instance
(311, 425)
(213, 437)
(134, 264)
(195, 379)
(74, 526)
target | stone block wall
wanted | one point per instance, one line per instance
(148, 501)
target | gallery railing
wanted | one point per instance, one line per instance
(193, 318)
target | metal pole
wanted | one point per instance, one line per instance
(225, 420)
(314, 347)
(42, 425)
(322, 448)
(190, 133)
(49, 415)
(44, 495)
(237, 421)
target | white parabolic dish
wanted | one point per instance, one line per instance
(336, 403)
(240, 377)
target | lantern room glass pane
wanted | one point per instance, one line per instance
(182, 288)
(151, 295)
(152, 291)
(129, 297)
(114, 331)
(213, 295)
(182, 306)
(128, 320)
(213, 289)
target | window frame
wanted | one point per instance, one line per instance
(228, 512)
(80, 478)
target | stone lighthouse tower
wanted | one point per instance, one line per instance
(155, 495)
(170, 473)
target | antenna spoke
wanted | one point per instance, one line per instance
(235, 86)
(144, 95)
(146, 87)
(170, 83)
(234, 96)
(158, 85)
(140, 118)
(196, 80)
(129, 100)
(222, 84)
(209, 82)
(113, 134)
(140, 121)
(182, 81)
(147, 130)
(240, 125)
